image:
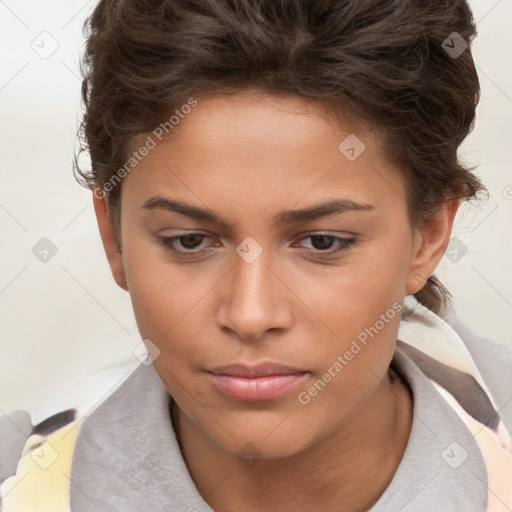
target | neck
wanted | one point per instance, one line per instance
(346, 472)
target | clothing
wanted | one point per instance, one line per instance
(126, 457)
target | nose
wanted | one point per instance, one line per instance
(254, 299)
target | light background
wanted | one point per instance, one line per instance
(67, 332)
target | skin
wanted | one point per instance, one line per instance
(247, 157)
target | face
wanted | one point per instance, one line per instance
(252, 237)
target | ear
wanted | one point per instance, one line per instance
(112, 249)
(430, 245)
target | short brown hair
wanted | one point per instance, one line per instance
(382, 60)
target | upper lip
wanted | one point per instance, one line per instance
(255, 370)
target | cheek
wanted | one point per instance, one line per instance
(166, 311)
(165, 299)
(361, 304)
(351, 296)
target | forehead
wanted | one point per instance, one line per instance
(255, 148)
(257, 118)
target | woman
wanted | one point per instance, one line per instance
(275, 183)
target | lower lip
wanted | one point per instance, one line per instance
(255, 389)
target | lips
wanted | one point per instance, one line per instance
(259, 370)
(264, 381)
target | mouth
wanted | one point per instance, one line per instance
(260, 382)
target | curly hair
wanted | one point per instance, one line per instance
(385, 61)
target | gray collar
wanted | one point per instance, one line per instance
(127, 457)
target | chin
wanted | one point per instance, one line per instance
(266, 440)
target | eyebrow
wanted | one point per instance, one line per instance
(315, 211)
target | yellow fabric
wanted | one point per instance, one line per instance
(42, 479)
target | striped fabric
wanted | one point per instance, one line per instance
(444, 358)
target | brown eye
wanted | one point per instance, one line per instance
(322, 242)
(183, 246)
(325, 244)
(190, 241)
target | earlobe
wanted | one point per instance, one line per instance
(430, 245)
(110, 244)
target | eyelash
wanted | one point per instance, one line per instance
(167, 243)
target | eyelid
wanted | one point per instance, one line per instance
(167, 241)
(345, 243)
